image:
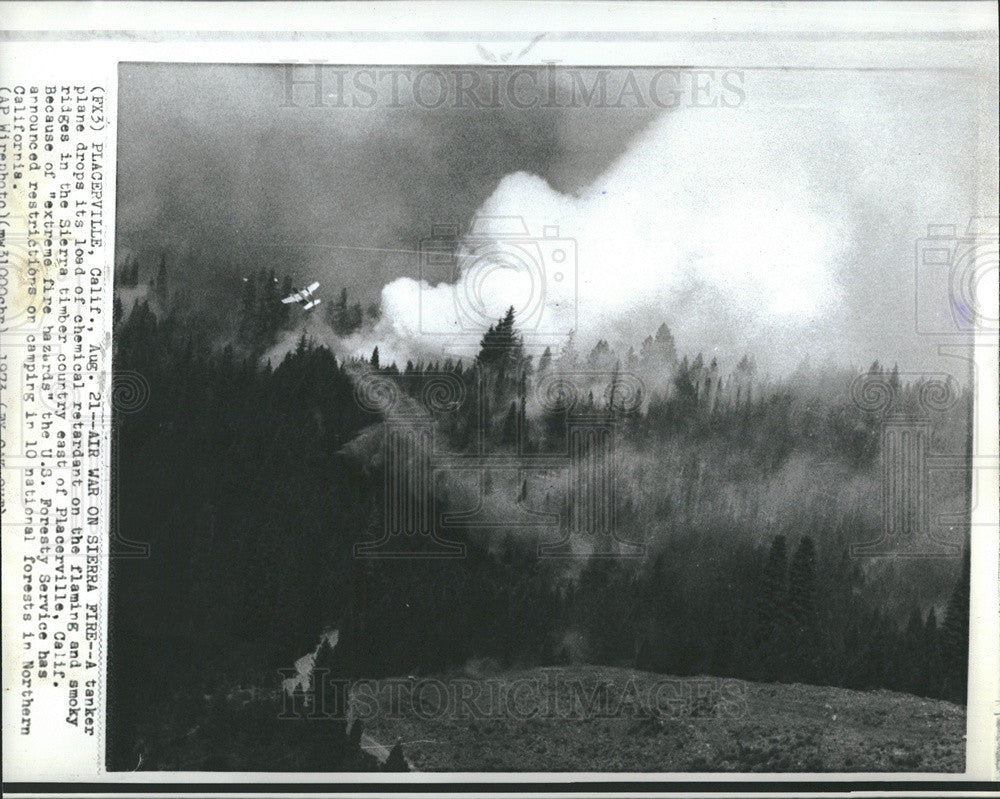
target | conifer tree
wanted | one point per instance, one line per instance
(500, 345)
(508, 434)
(932, 655)
(568, 356)
(285, 309)
(665, 344)
(802, 609)
(802, 585)
(272, 305)
(545, 361)
(396, 761)
(160, 285)
(915, 665)
(354, 736)
(631, 359)
(894, 383)
(248, 310)
(772, 610)
(955, 635)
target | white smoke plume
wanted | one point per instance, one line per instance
(707, 222)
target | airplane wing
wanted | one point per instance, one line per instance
(305, 295)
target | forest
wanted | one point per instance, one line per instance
(253, 481)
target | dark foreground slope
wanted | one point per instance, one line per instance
(595, 718)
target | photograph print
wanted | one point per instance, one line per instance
(507, 418)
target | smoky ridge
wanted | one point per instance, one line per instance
(521, 394)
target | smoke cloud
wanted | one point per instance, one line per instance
(731, 249)
(784, 228)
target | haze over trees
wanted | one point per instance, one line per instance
(250, 485)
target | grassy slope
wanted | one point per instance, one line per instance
(734, 726)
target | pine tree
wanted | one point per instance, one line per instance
(802, 585)
(508, 433)
(396, 761)
(568, 356)
(374, 360)
(501, 346)
(665, 345)
(802, 610)
(775, 585)
(354, 737)
(248, 312)
(272, 305)
(545, 361)
(646, 350)
(285, 309)
(932, 655)
(600, 356)
(339, 315)
(746, 366)
(915, 665)
(955, 636)
(894, 383)
(658, 355)
(772, 610)
(321, 729)
(684, 401)
(355, 317)
(160, 286)
(501, 363)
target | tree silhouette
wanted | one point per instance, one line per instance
(160, 283)
(802, 610)
(772, 609)
(251, 483)
(955, 635)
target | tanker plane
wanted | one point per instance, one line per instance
(305, 297)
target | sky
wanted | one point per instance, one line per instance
(776, 212)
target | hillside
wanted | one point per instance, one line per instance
(536, 720)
